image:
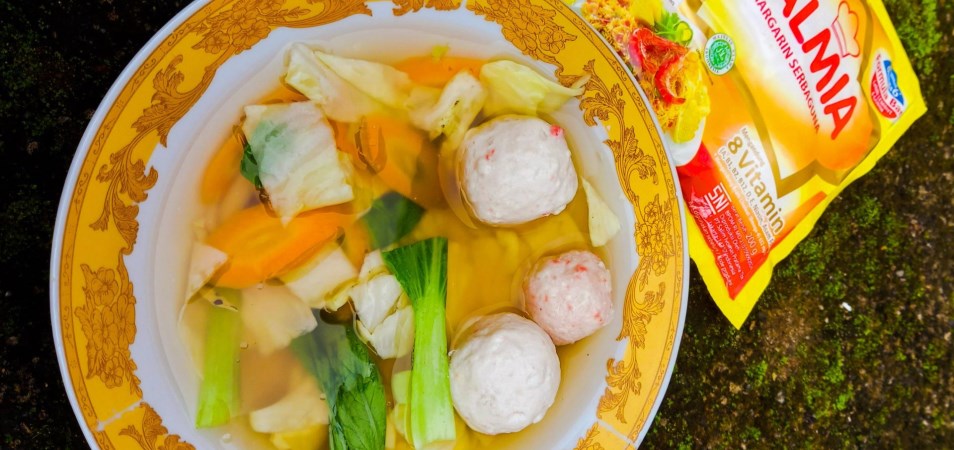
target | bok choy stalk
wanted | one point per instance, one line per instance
(339, 361)
(421, 268)
(218, 392)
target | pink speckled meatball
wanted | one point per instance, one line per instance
(569, 295)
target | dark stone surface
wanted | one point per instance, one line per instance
(804, 372)
(58, 60)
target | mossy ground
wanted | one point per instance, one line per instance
(851, 345)
(58, 61)
(804, 372)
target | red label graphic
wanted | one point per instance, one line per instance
(734, 242)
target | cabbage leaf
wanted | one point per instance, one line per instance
(451, 113)
(297, 160)
(517, 89)
(345, 88)
(603, 222)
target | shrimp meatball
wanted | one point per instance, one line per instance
(505, 375)
(516, 169)
(569, 295)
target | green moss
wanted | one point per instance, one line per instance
(865, 225)
(756, 373)
(950, 120)
(751, 434)
(842, 401)
(918, 27)
(868, 212)
(834, 374)
(934, 354)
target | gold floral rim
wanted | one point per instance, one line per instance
(94, 301)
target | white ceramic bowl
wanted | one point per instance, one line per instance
(123, 238)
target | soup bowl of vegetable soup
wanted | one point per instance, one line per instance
(303, 224)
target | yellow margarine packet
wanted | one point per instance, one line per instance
(805, 96)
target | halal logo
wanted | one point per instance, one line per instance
(720, 53)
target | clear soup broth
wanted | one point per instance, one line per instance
(486, 265)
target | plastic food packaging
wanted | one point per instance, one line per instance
(769, 109)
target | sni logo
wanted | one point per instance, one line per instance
(717, 199)
(714, 202)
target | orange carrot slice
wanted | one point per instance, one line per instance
(259, 247)
(344, 137)
(221, 171)
(436, 72)
(402, 157)
(356, 243)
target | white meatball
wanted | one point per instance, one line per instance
(505, 375)
(569, 296)
(516, 169)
